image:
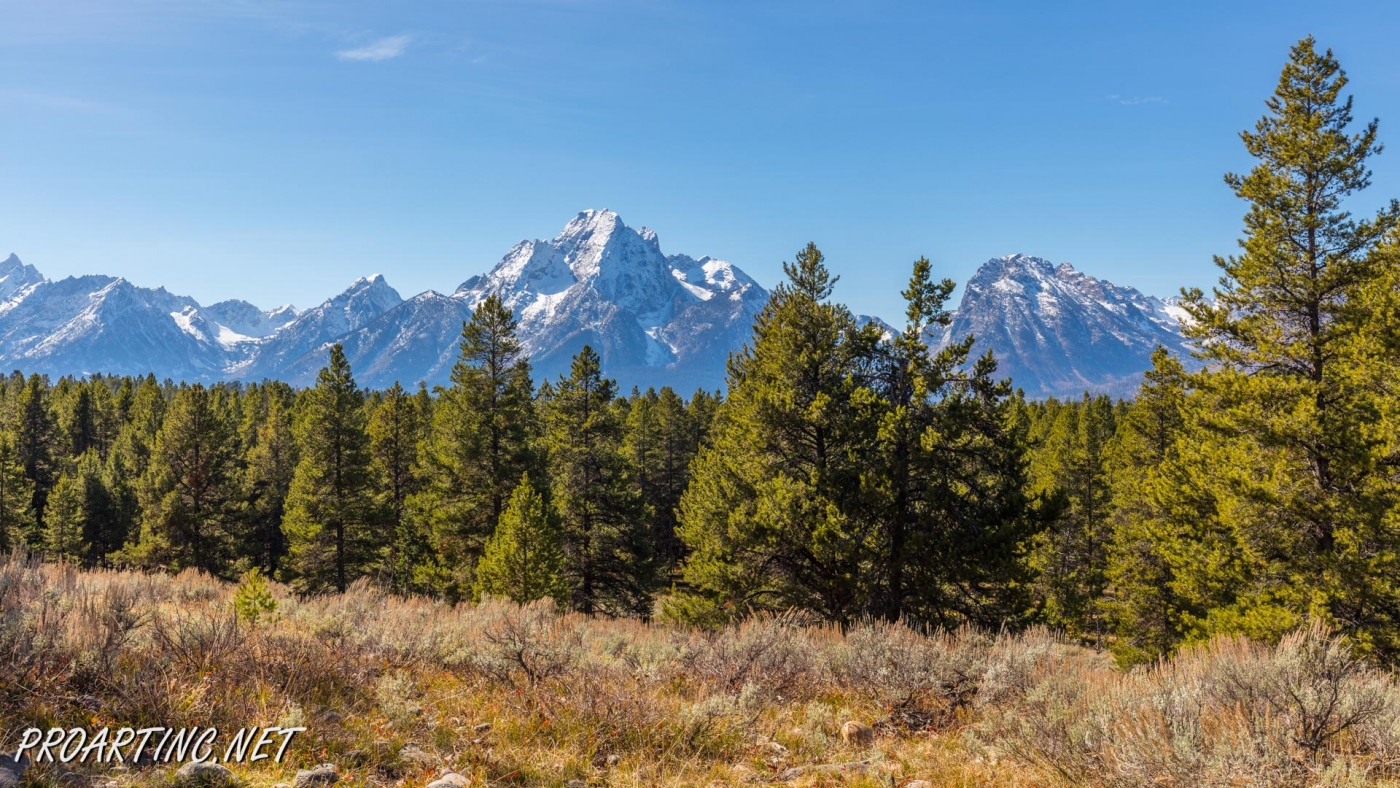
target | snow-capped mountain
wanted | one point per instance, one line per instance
(98, 323)
(313, 331)
(416, 340)
(1058, 332)
(17, 278)
(655, 319)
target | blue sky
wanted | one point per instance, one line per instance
(276, 151)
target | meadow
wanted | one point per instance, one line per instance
(401, 691)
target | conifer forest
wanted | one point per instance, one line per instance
(847, 473)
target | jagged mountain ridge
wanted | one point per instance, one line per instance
(655, 319)
(1059, 332)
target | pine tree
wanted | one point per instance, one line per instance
(952, 513)
(483, 428)
(65, 520)
(271, 462)
(394, 432)
(1296, 488)
(603, 518)
(1142, 604)
(190, 503)
(1073, 553)
(332, 524)
(523, 560)
(34, 441)
(79, 525)
(661, 441)
(16, 496)
(778, 513)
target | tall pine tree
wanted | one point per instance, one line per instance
(394, 431)
(483, 430)
(608, 559)
(778, 513)
(332, 523)
(190, 502)
(1299, 485)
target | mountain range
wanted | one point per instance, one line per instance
(1059, 332)
(655, 319)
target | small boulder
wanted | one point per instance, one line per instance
(450, 780)
(317, 777)
(413, 755)
(857, 734)
(919, 784)
(203, 774)
(12, 770)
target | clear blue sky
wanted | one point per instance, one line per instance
(276, 151)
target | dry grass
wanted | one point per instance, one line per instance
(625, 704)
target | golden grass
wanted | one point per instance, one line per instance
(621, 703)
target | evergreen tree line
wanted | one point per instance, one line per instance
(486, 486)
(1259, 493)
(848, 472)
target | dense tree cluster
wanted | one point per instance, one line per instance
(485, 486)
(849, 472)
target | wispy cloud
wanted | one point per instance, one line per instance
(1134, 101)
(54, 102)
(383, 49)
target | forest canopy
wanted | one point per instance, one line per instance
(848, 472)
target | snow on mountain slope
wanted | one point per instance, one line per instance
(655, 320)
(414, 341)
(1058, 332)
(240, 321)
(316, 329)
(16, 278)
(99, 323)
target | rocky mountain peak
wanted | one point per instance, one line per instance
(15, 277)
(1057, 331)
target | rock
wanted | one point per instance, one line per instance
(450, 780)
(12, 770)
(414, 755)
(203, 775)
(857, 734)
(613, 760)
(317, 777)
(919, 784)
(482, 728)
